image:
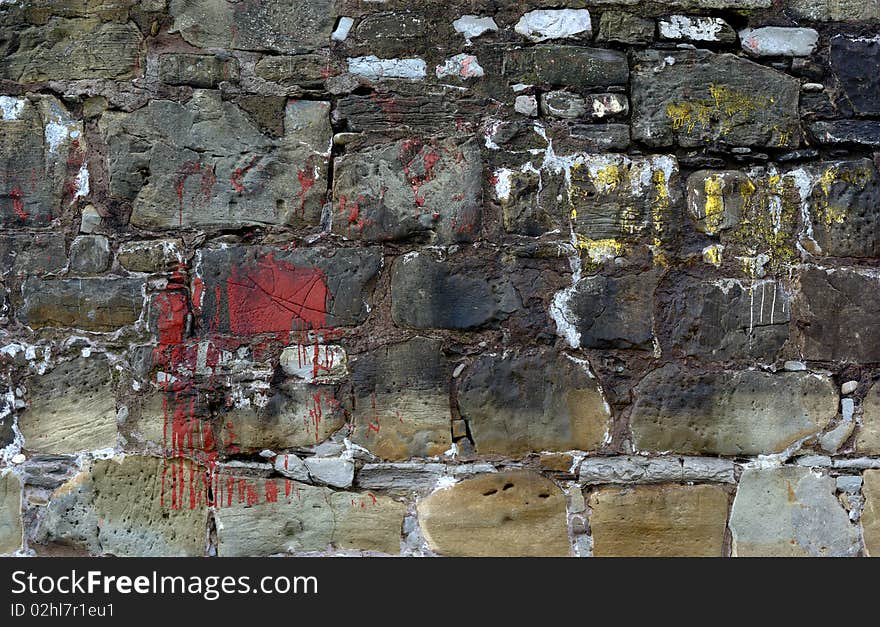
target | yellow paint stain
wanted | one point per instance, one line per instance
(599, 250)
(722, 106)
(658, 207)
(712, 254)
(714, 209)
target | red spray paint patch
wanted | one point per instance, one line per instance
(274, 296)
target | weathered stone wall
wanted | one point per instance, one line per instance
(474, 277)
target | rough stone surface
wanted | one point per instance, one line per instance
(632, 469)
(532, 401)
(658, 521)
(270, 25)
(130, 506)
(72, 408)
(303, 518)
(401, 400)
(82, 48)
(428, 293)
(625, 28)
(689, 98)
(509, 514)
(40, 159)
(790, 512)
(724, 320)
(871, 512)
(603, 312)
(89, 254)
(94, 304)
(729, 413)
(207, 164)
(10, 513)
(409, 188)
(835, 310)
(868, 438)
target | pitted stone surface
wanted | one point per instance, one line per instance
(513, 514)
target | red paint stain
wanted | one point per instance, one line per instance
(236, 177)
(306, 183)
(272, 296)
(206, 184)
(18, 203)
(271, 491)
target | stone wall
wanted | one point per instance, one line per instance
(474, 277)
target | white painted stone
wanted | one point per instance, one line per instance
(777, 41)
(374, 68)
(320, 363)
(692, 28)
(472, 26)
(545, 24)
(526, 105)
(849, 387)
(342, 29)
(460, 66)
(11, 107)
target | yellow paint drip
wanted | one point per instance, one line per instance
(714, 210)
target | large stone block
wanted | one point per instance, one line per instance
(270, 25)
(833, 10)
(206, 163)
(832, 204)
(607, 312)
(790, 512)
(427, 293)
(298, 518)
(659, 521)
(132, 506)
(295, 414)
(71, 49)
(871, 512)
(401, 400)
(407, 189)
(41, 160)
(26, 253)
(615, 196)
(508, 514)
(102, 304)
(745, 412)
(248, 290)
(72, 408)
(836, 313)
(868, 437)
(729, 319)
(844, 207)
(853, 60)
(693, 97)
(10, 512)
(535, 400)
(572, 66)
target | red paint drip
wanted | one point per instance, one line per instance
(18, 203)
